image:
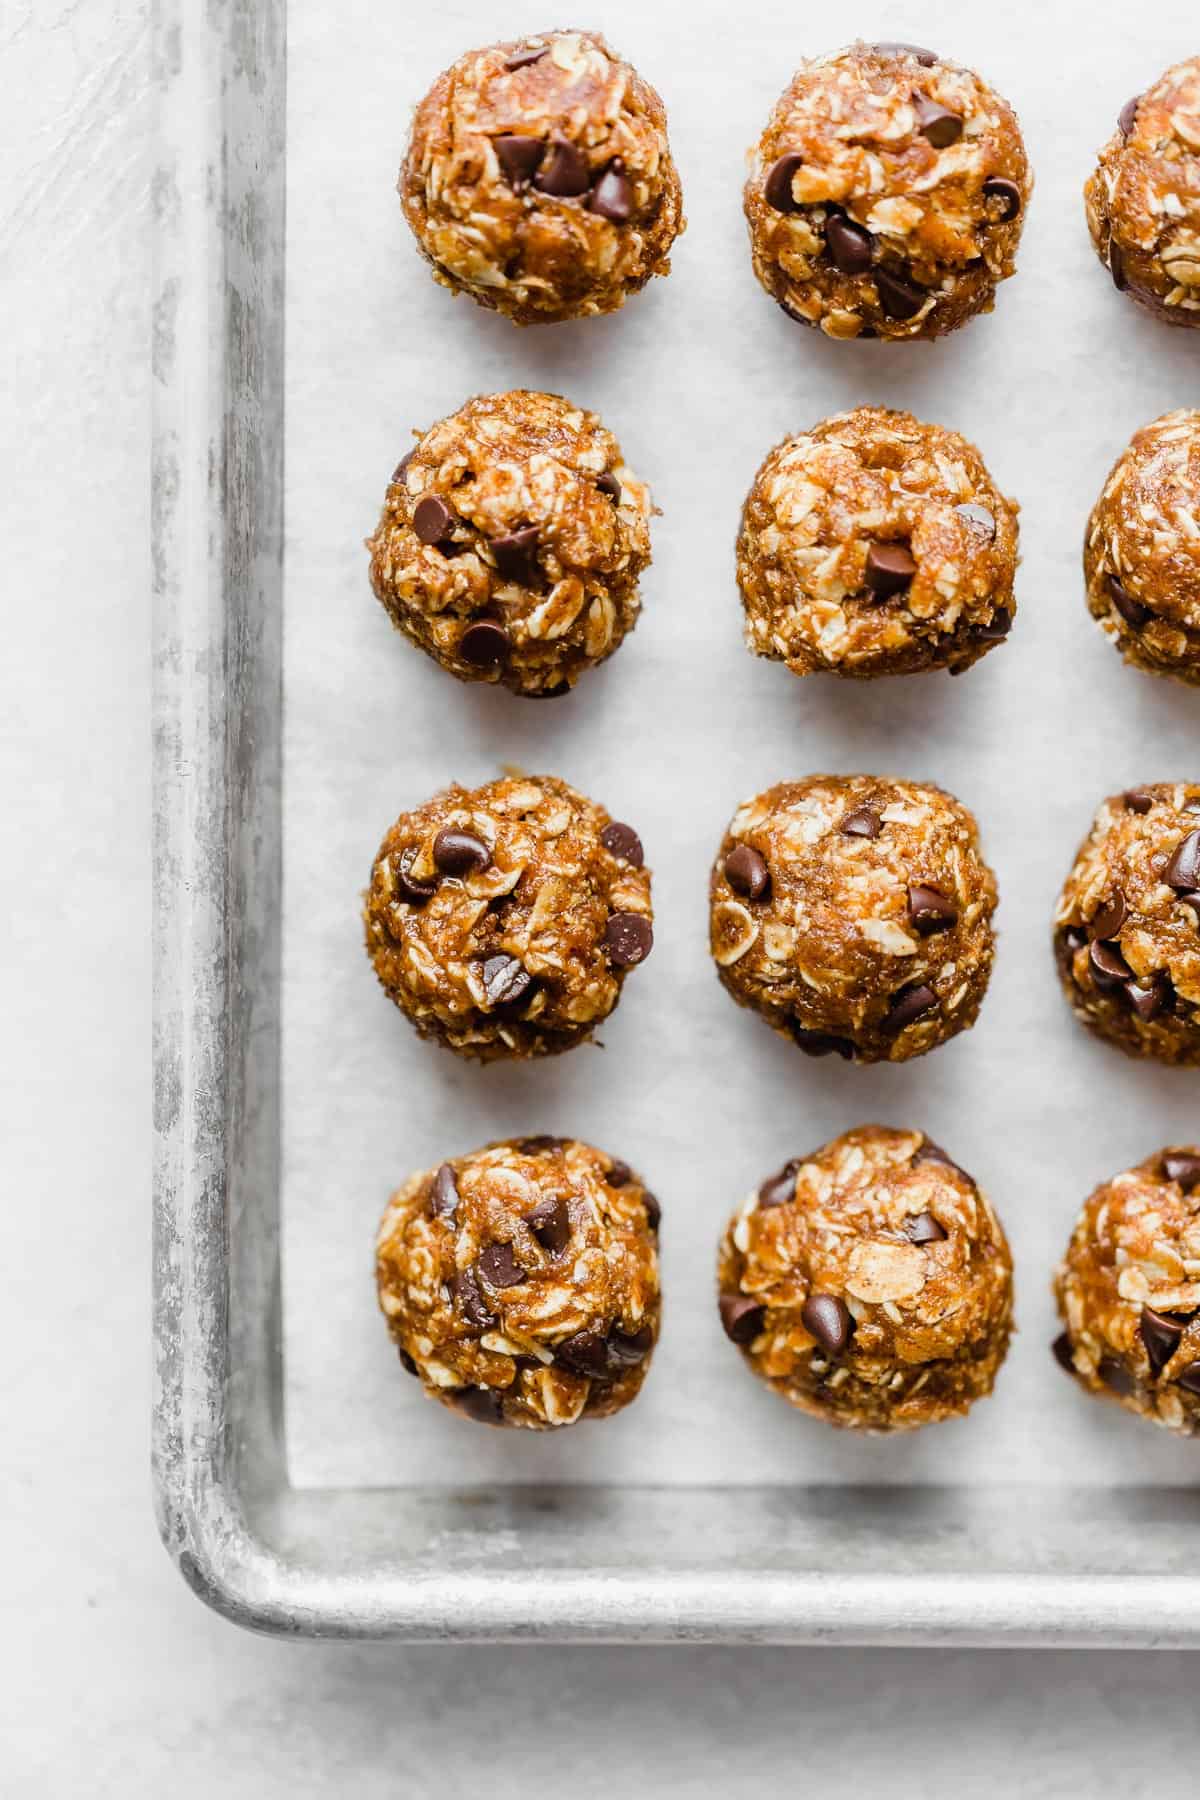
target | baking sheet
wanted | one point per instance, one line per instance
(698, 376)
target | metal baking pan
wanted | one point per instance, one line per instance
(707, 1512)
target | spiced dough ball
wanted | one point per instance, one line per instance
(886, 195)
(520, 1283)
(1127, 925)
(1141, 554)
(854, 912)
(1143, 199)
(869, 1283)
(539, 179)
(503, 920)
(876, 545)
(1128, 1291)
(511, 543)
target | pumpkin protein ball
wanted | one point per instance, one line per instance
(1141, 552)
(870, 1283)
(854, 912)
(886, 195)
(1143, 198)
(874, 544)
(511, 542)
(503, 920)
(1128, 1291)
(520, 1283)
(1127, 924)
(539, 179)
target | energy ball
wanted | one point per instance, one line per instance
(1143, 200)
(869, 1283)
(539, 179)
(886, 195)
(1141, 554)
(876, 545)
(854, 912)
(511, 543)
(1128, 1291)
(1127, 925)
(520, 1283)
(503, 920)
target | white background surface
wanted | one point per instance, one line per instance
(113, 1681)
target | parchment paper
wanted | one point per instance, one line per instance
(698, 376)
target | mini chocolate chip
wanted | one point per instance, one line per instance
(653, 1209)
(628, 938)
(1182, 1166)
(822, 1043)
(516, 555)
(1161, 1333)
(1107, 922)
(443, 1201)
(1127, 115)
(926, 58)
(1116, 266)
(779, 1189)
(747, 872)
(584, 1354)
(401, 468)
(485, 644)
(518, 157)
(911, 1003)
(1109, 968)
(1183, 870)
(1062, 1353)
(564, 173)
(923, 1228)
(619, 1173)
(777, 189)
(1073, 939)
(1190, 1379)
(407, 1363)
(609, 484)
(626, 1349)
(829, 1320)
(432, 519)
(482, 1404)
(499, 1267)
(521, 59)
(1131, 610)
(741, 1317)
(414, 891)
(850, 245)
(1138, 800)
(1116, 1376)
(998, 187)
(506, 982)
(900, 299)
(1149, 999)
(889, 569)
(981, 517)
(460, 852)
(937, 123)
(996, 630)
(464, 1288)
(931, 1152)
(929, 910)
(864, 822)
(541, 1141)
(554, 692)
(550, 1224)
(623, 841)
(612, 196)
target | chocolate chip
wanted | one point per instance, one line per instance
(829, 1321)
(996, 630)
(929, 910)
(521, 59)
(1190, 1379)
(499, 1267)
(889, 569)
(998, 187)
(923, 1228)
(1107, 922)
(978, 516)
(926, 58)
(623, 841)
(407, 1363)
(1149, 999)
(541, 1141)
(777, 190)
(653, 1210)
(401, 468)
(518, 157)
(550, 1224)
(410, 889)
(465, 1290)
(628, 938)
(1116, 1376)
(741, 1317)
(779, 1189)
(516, 555)
(1116, 266)
(1182, 1166)
(443, 1201)
(1193, 902)
(1161, 1333)
(584, 1354)
(900, 299)
(937, 123)
(1183, 870)
(911, 1003)
(1138, 800)
(1109, 968)
(864, 822)
(564, 173)
(931, 1152)
(1072, 939)
(485, 644)
(747, 873)
(850, 246)
(1062, 1353)
(608, 484)
(506, 982)
(626, 1349)
(619, 1173)
(460, 852)
(482, 1404)
(432, 519)
(822, 1043)
(554, 692)
(1127, 115)
(1131, 610)
(612, 196)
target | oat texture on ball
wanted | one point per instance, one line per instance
(887, 193)
(1143, 198)
(854, 912)
(503, 920)
(511, 542)
(1141, 552)
(869, 1283)
(520, 1283)
(874, 544)
(1127, 924)
(1128, 1291)
(539, 179)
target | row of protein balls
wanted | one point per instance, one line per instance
(852, 912)
(885, 197)
(513, 536)
(869, 1283)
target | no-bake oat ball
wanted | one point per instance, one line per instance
(1141, 553)
(887, 194)
(511, 542)
(1128, 1291)
(539, 179)
(874, 544)
(854, 912)
(1127, 925)
(869, 1283)
(503, 920)
(1143, 200)
(520, 1283)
